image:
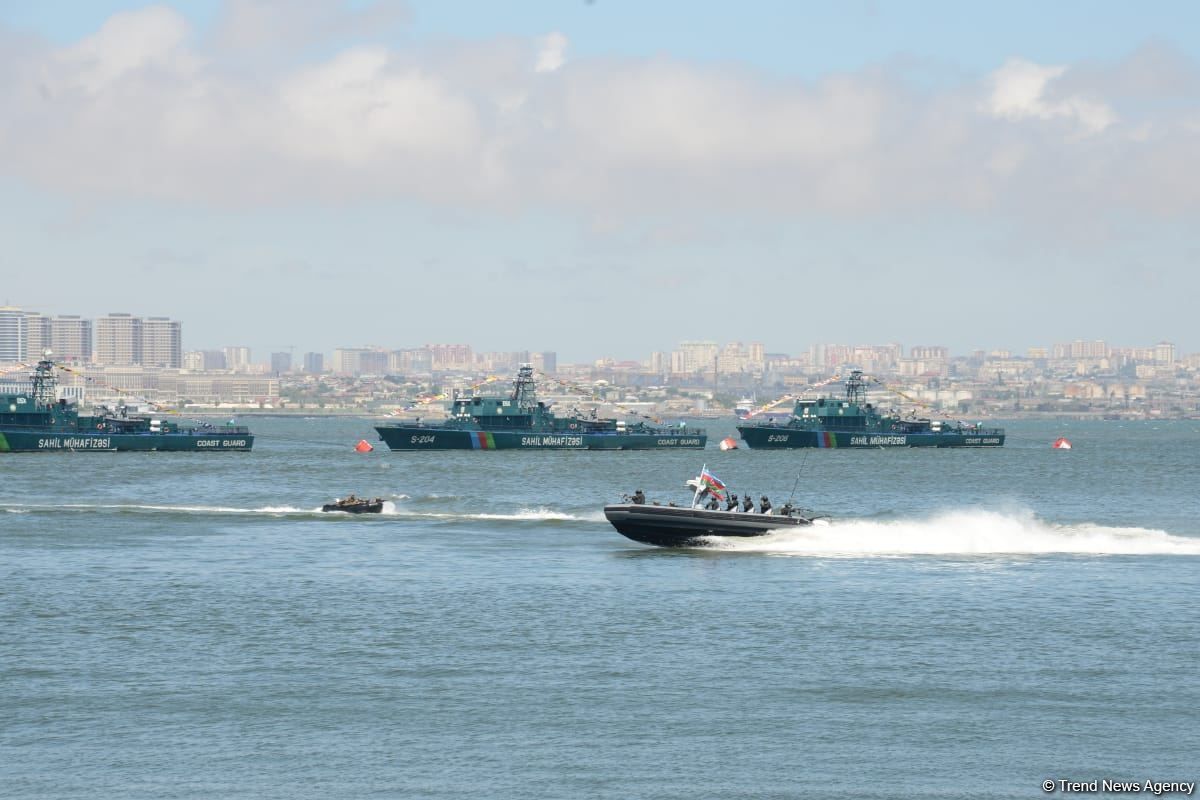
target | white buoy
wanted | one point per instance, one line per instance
(729, 443)
(1061, 443)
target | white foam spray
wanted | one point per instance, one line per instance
(964, 533)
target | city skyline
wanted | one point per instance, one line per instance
(121, 338)
(603, 179)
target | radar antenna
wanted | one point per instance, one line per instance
(855, 387)
(45, 384)
(525, 389)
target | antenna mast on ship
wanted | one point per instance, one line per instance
(45, 385)
(525, 389)
(855, 386)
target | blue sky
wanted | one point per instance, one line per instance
(605, 178)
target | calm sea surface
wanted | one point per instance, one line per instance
(971, 624)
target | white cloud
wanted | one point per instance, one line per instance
(126, 43)
(1020, 89)
(139, 109)
(553, 53)
(356, 109)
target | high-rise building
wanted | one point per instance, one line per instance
(1082, 349)
(374, 362)
(348, 360)
(1164, 354)
(732, 358)
(406, 362)
(14, 345)
(214, 359)
(928, 352)
(281, 363)
(659, 361)
(193, 361)
(698, 356)
(314, 363)
(162, 343)
(451, 356)
(71, 338)
(237, 358)
(119, 340)
(758, 359)
(545, 362)
(37, 335)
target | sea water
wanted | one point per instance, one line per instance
(969, 623)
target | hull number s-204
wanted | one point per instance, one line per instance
(423, 439)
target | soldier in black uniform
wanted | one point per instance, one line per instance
(732, 505)
(713, 504)
(764, 506)
(748, 504)
(639, 499)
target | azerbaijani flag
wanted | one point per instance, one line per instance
(712, 483)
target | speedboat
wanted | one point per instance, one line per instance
(354, 505)
(690, 525)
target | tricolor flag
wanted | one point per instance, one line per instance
(712, 483)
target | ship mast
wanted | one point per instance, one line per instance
(524, 389)
(45, 385)
(855, 387)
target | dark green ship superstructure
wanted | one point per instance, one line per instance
(853, 422)
(39, 422)
(520, 421)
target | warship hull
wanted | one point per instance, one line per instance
(15, 441)
(672, 526)
(402, 437)
(782, 437)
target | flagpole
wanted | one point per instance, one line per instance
(699, 483)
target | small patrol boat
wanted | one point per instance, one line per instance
(355, 505)
(691, 526)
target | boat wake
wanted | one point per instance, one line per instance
(432, 509)
(540, 514)
(160, 508)
(963, 534)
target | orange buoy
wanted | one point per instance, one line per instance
(729, 443)
(363, 446)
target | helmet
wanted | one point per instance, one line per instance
(733, 497)
(764, 497)
(639, 491)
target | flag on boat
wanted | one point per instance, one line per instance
(712, 483)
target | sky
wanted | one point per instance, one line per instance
(606, 178)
